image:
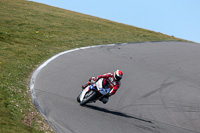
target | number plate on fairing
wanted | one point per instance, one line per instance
(83, 93)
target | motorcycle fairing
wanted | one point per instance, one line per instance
(97, 87)
(83, 93)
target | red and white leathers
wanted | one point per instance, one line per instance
(114, 85)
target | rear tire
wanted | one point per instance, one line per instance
(89, 98)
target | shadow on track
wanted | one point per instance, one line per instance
(115, 113)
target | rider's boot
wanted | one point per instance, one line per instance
(104, 99)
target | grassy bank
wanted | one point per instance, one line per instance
(30, 33)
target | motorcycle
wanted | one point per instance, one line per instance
(93, 92)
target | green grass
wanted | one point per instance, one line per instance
(30, 33)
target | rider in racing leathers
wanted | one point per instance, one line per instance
(114, 80)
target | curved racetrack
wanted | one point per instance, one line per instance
(159, 93)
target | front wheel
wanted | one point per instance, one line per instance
(88, 97)
(78, 98)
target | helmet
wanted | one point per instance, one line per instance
(105, 83)
(118, 75)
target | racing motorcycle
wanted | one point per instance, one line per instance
(94, 92)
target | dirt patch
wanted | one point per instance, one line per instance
(34, 118)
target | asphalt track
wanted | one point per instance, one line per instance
(160, 91)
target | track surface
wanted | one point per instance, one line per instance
(160, 91)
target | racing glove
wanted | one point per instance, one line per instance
(92, 80)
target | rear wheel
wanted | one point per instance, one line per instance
(88, 97)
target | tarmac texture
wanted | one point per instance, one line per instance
(159, 93)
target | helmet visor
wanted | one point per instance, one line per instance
(118, 78)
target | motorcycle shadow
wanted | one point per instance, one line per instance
(115, 113)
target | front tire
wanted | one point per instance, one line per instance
(88, 98)
(78, 98)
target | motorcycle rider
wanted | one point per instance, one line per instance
(114, 80)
